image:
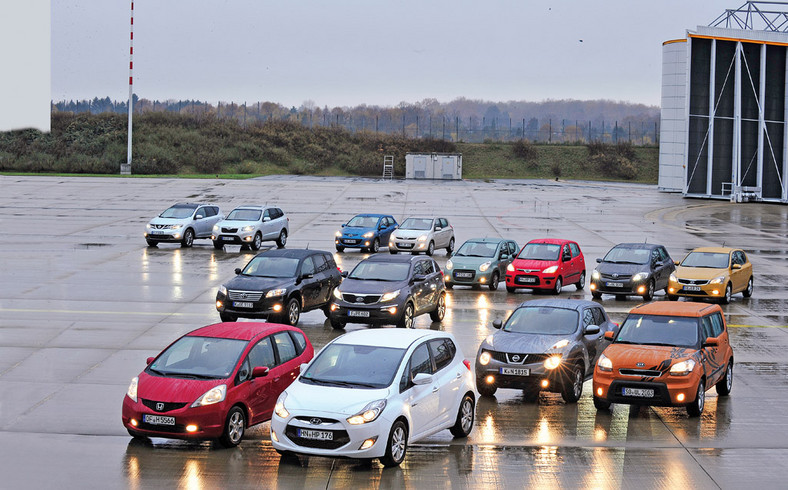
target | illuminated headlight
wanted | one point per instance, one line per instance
(510, 268)
(275, 292)
(552, 362)
(337, 293)
(223, 290)
(214, 395)
(560, 344)
(369, 234)
(149, 226)
(717, 280)
(485, 266)
(176, 227)
(639, 276)
(279, 408)
(449, 265)
(423, 238)
(595, 275)
(390, 296)
(484, 358)
(248, 228)
(604, 364)
(338, 234)
(550, 270)
(682, 368)
(674, 278)
(132, 391)
(368, 413)
(215, 227)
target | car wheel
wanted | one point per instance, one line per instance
(558, 286)
(396, 446)
(393, 251)
(494, 280)
(439, 312)
(138, 437)
(601, 404)
(430, 248)
(152, 243)
(464, 423)
(449, 285)
(621, 297)
(573, 386)
(226, 317)
(375, 246)
(257, 242)
(188, 238)
(282, 240)
(340, 248)
(326, 309)
(292, 312)
(510, 289)
(233, 428)
(649, 291)
(695, 408)
(726, 298)
(484, 388)
(582, 282)
(596, 295)
(726, 383)
(748, 292)
(406, 320)
(337, 325)
(531, 395)
(218, 245)
(673, 297)
(450, 248)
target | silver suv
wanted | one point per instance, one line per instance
(250, 226)
(183, 223)
(422, 235)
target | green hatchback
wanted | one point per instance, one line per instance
(480, 262)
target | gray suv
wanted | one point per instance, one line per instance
(183, 223)
(250, 226)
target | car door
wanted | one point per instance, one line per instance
(324, 279)
(201, 224)
(589, 341)
(664, 268)
(711, 354)
(287, 366)
(267, 225)
(419, 288)
(740, 271)
(508, 250)
(261, 397)
(387, 225)
(448, 376)
(423, 400)
(310, 284)
(578, 263)
(442, 235)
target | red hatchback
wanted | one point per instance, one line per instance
(215, 382)
(548, 264)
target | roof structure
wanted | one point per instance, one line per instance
(756, 16)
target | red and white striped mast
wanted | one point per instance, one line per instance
(131, 89)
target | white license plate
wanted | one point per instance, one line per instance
(526, 280)
(464, 274)
(515, 371)
(242, 304)
(360, 313)
(639, 392)
(405, 245)
(228, 238)
(158, 232)
(320, 435)
(691, 288)
(158, 419)
(614, 284)
(351, 242)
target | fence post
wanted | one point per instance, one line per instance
(550, 129)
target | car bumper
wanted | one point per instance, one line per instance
(354, 242)
(668, 390)
(239, 239)
(538, 377)
(258, 309)
(174, 236)
(208, 421)
(408, 245)
(613, 286)
(467, 277)
(378, 314)
(529, 281)
(705, 290)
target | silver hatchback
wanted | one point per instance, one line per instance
(422, 235)
(183, 223)
(250, 226)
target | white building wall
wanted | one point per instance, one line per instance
(673, 117)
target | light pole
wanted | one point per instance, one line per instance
(125, 168)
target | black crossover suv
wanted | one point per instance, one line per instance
(632, 269)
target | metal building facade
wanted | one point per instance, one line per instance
(433, 166)
(673, 116)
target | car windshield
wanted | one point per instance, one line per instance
(363, 221)
(540, 251)
(547, 320)
(178, 212)
(709, 260)
(199, 358)
(271, 267)
(626, 255)
(381, 271)
(416, 224)
(659, 330)
(356, 366)
(477, 249)
(244, 215)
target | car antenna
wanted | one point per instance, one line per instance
(307, 245)
(723, 243)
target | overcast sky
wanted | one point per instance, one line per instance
(350, 52)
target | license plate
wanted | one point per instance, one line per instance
(464, 274)
(691, 288)
(320, 435)
(242, 304)
(404, 245)
(361, 313)
(158, 232)
(228, 238)
(639, 392)
(614, 284)
(515, 371)
(526, 280)
(158, 419)
(351, 242)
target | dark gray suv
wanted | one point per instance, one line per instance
(632, 269)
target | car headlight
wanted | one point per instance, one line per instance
(485, 266)
(132, 391)
(639, 276)
(337, 293)
(338, 234)
(275, 292)
(423, 238)
(279, 408)
(717, 280)
(595, 275)
(223, 290)
(550, 269)
(368, 413)
(674, 278)
(390, 296)
(248, 228)
(176, 227)
(214, 395)
(215, 227)
(682, 368)
(149, 226)
(560, 344)
(449, 265)
(369, 234)
(484, 358)
(604, 363)
(510, 268)
(552, 362)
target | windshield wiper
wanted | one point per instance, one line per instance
(626, 342)
(156, 371)
(339, 383)
(659, 343)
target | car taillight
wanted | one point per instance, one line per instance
(467, 363)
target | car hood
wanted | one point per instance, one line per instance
(621, 269)
(656, 357)
(369, 287)
(699, 272)
(304, 397)
(410, 233)
(524, 343)
(169, 221)
(252, 283)
(539, 265)
(171, 389)
(356, 231)
(465, 262)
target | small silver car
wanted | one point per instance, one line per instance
(417, 235)
(250, 226)
(183, 223)
(480, 261)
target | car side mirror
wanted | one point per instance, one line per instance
(422, 379)
(599, 260)
(677, 263)
(502, 256)
(591, 330)
(710, 342)
(736, 266)
(237, 271)
(260, 371)
(343, 273)
(566, 258)
(149, 360)
(303, 367)
(497, 324)
(199, 216)
(343, 225)
(438, 228)
(610, 335)
(266, 219)
(307, 276)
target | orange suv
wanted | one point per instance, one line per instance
(666, 354)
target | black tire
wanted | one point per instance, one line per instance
(326, 309)
(649, 294)
(439, 312)
(485, 389)
(450, 248)
(621, 297)
(695, 408)
(582, 282)
(531, 395)
(572, 389)
(596, 295)
(137, 436)
(226, 317)
(449, 285)
(188, 238)
(336, 324)
(430, 248)
(510, 289)
(396, 445)
(558, 285)
(494, 280)
(465, 415)
(748, 292)
(340, 248)
(673, 297)
(601, 404)
(406, 320)
(726, 297)
(257, 242)
(375, 248)
(282, 240)
(234, 427)
(726, 383)
(393, 251)
(218, 245)
(152, 243)
(292, 312)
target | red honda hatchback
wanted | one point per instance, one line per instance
(215, 382)
(548, 264)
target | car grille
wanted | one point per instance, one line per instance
(616, 277)
(530, 271)
(160, 227)
(229, 230)
(312, 420)
(167, 406)
(464, 274)
(245, 295)
(694, 282)
(640, 372)
(507, 357)
(361, 299)
(340, 439)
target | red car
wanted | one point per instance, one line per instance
(548, 264)
(215, 382)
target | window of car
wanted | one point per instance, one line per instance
(663, 254)
(443, 351)
(575, 249)
(588, 317)
(420, 362)
(717, 324)
(285, 347)
(300, 341)
(708, 329)
(307, 266)
(443, 223)
(739, 257)
(276, 213)
(244, 215)
(330, 262)
(262, 354)
(599, 316)
(267, 214)
(201, 212)
(320, 262)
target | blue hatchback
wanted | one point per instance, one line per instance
(365, 231)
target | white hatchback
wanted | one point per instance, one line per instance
(369, 393)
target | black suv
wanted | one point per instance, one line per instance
(632, 269)
(279, 285)
(390, 290)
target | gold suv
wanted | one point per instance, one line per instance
(712, 272)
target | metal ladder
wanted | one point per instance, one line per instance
(388, 167)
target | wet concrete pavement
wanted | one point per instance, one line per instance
(83, 303)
